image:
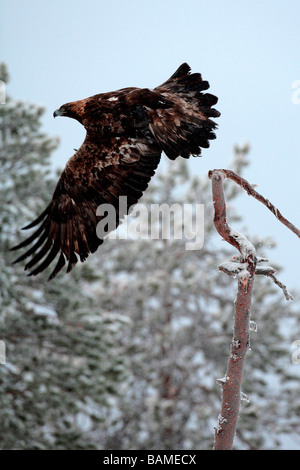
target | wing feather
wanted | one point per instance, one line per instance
(67, 228)
(36, 221)
(49, 258)
(186, 127)
(59, 265)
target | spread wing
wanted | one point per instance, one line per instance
(185, 127)
(95, 175)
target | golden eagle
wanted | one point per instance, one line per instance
(126, 132)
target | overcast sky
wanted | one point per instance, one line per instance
(63, 50)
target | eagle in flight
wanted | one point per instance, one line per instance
(126, 132)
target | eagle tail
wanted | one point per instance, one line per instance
(186, 127)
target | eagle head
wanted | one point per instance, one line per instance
(72, 110)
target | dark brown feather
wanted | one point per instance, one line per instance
(126, 132)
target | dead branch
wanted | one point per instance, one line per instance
(233, 268)
(244, 267)
(251, 191)
(232, 382)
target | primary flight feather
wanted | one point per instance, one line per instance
(126, 132)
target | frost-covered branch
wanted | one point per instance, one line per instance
(244, 267)
(269, 271)
(245, 271)
(234, 267)
(251, 191)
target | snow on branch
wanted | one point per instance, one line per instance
(232, 382)
(233, 268)
(244, 267)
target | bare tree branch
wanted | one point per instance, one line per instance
(232, 382)
(244, 267)
(251, 191)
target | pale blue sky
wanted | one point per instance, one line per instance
(63, 50)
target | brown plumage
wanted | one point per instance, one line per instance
(126, 132)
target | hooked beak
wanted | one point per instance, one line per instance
(57, 112)
(68, 110)
(64, 110)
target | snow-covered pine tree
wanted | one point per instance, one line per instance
(62, 365)
(181, 310)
